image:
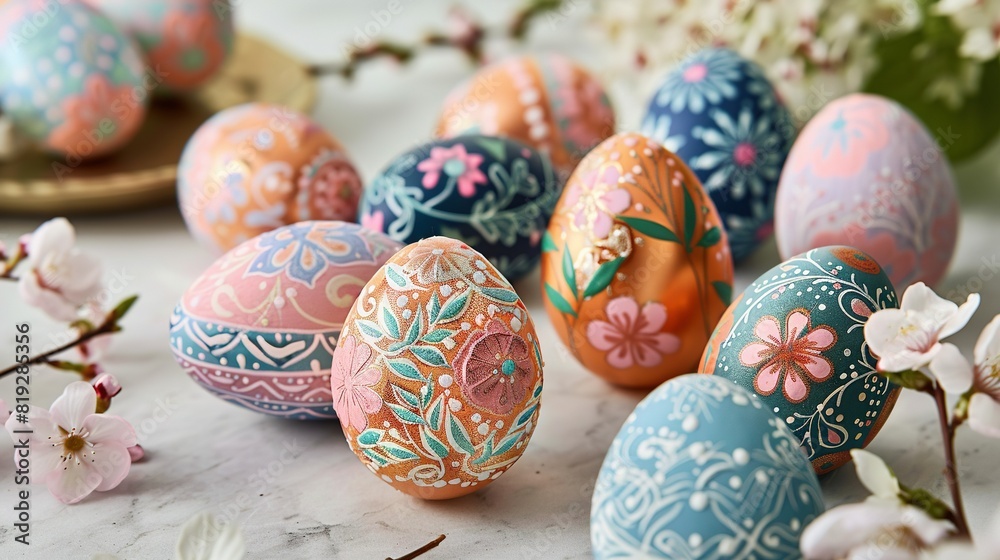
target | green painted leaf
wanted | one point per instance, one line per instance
(405, 414)
(433, 308)
(500, 294)
(426, 392)
(690, 218)
(390, 323)
(458, 437)
(711, 237)
(487, 452)
(433, 444)
(650, 228)
(371, 454)
(507, 443)
(525, 416)
(405, 397)
(395, 277)
(369, 328)
(548, 244)
(437, 335)
(429, 355)
(406, 368)
(558, 300)
(398, 451)
(454, 307)
(434, 418)
(569, 273)
(414, 331)
(724, 291)
(495, 146)
(603, 277)
(538, 391)
(370, 437)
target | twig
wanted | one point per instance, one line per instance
(108, 326)
(948, 428)
(420, 551)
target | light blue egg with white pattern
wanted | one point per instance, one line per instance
(702, 470)
(719, 113)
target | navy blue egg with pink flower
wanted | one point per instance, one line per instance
(721, 115)
(495, 194)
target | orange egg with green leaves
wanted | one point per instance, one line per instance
(636, 269)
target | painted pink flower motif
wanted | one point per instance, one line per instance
(495, 369)
(374, 221)
(797, 356)
(352, 382)
(75, 451)
(99, 101)
(191, 50)
(632, 336)
(839, 141)
(594, 200)
(456, 163)
(331, 184)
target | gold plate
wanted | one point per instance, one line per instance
(144, 173)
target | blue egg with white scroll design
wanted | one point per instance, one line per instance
(493, 193)
(719, 113)
(701, 469)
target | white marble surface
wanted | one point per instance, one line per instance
(315, 500)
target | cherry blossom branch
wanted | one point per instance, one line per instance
(465, 35)
(948, 428)
(108, 326)
(420, 551)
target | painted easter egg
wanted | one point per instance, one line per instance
(548, 102)
(255, 167)
(795, 339)
(493, 193)
(636, 268)
(437, 377)
(70, 80)
(719, 113)
(185, 42)
(701, 470)
(259, 326)
(866, 173)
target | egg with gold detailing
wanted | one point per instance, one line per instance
(636, 268)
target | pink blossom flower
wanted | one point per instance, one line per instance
(106, 386)
(374, 221)
(632, 336)
(74, 450)
(595, 200)
(495, 369)
(351, 381)
(797, 356)
(456, 163)
(59, 278)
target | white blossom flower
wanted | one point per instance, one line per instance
(881, 527)
(74, 450)
(59, 278)
(909, 338)
(987, 546)
(984, 406)
(204, 538)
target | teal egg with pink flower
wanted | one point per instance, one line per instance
(795, 340)
(185, 42)
(495, 194)
(70, 81)
(721, 115)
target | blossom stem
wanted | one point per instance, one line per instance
(948, 428)
(420, 551)
(109, 325)
(10, 278)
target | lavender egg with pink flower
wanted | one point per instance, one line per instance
(495, 194)
(866, 173)
(185, 42)
(70, 81)
(721, 115)
(795, 340)
(258, 327)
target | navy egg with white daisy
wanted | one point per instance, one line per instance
(721, 115)
(493, 193)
